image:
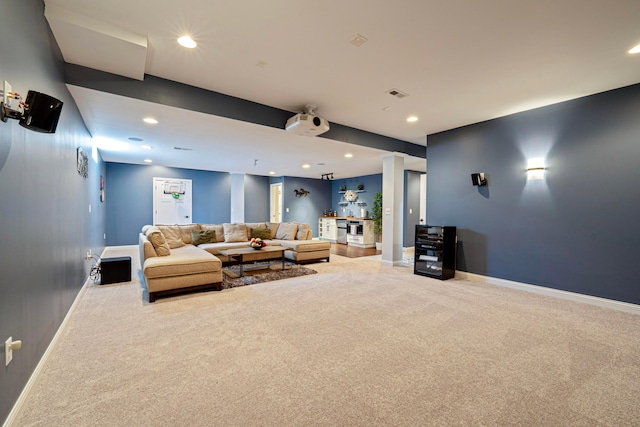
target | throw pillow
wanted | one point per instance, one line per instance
(185, 232)
(274, 228)
(287, 231)
(172, 236)
(263, 233)
(303, 229)
(199, 237)
(158, 241)
(235, 233)
(215, 227)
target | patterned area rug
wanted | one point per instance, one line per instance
(252, 278)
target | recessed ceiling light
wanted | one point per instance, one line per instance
(187, 42)
(306, 166)
(150, 120)
(147, 147)
(348, 155)
(412, 119)
(635, 49)
(148, 161)
(272, 173)
(133, 138)
(358, 40)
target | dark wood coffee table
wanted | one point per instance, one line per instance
(246, 255)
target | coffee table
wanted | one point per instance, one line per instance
(248, 254)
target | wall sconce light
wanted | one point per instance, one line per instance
(478, 179)
(535, 169)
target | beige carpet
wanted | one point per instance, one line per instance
(357, 344)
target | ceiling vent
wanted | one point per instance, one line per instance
(182, 149)
(397, 93)
(307, 123)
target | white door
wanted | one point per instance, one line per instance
(171, 201)
(276, 202)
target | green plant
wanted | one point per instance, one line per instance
(343, 188)
(360, 187)
(376, 215)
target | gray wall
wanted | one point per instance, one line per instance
(45, 224)
(256, 198)
(577, 229)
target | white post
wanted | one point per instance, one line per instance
(392, 206)
(237, 197)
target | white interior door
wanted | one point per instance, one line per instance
(276, 202)
(172, 200)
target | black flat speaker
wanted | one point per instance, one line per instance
(115, 270)
(41, 112)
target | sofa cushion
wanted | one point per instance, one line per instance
(306, 245)
(215, 227)
(158, 241)
(287, 231)
(172, 236)
(251, 225)
(273, 226)
(184, 260)
(263, 233)
(199, 237)
(235, 232)
(185, 232)
(303, 229)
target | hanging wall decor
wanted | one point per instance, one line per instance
(101, 188)
(82, 163)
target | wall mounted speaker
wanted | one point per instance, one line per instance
(478, 179)
(41, 112)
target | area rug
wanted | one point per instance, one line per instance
(268, 276)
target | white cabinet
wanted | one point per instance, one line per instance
(328, 229)
(360, 233)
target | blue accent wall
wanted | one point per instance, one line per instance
(305, 209)
(130, 198)
(46, 228)
(372, 185)
(256, 198)
(411, 203)
(576, 230)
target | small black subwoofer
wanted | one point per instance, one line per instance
(115, 270)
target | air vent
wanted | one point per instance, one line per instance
(397, 93)
(182, 149)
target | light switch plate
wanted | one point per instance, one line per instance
(8, 351)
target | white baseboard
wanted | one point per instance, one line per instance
(18, 407)
(572, 296)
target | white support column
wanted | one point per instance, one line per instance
(392, 206)
(237, 197)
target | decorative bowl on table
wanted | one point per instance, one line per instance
(257, 243)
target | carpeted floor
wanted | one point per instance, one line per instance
(357, 344)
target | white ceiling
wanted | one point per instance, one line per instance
(460, 62)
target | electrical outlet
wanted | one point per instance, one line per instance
(89, 254)
(8, 351)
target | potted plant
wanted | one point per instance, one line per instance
(360, 187)
(343, 188)
(376, 216)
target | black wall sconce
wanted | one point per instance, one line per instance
(478, 179)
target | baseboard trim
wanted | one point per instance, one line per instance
(18, 407)
(572, 296)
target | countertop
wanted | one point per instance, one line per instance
(350, 218)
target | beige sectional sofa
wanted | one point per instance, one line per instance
(179, 258)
